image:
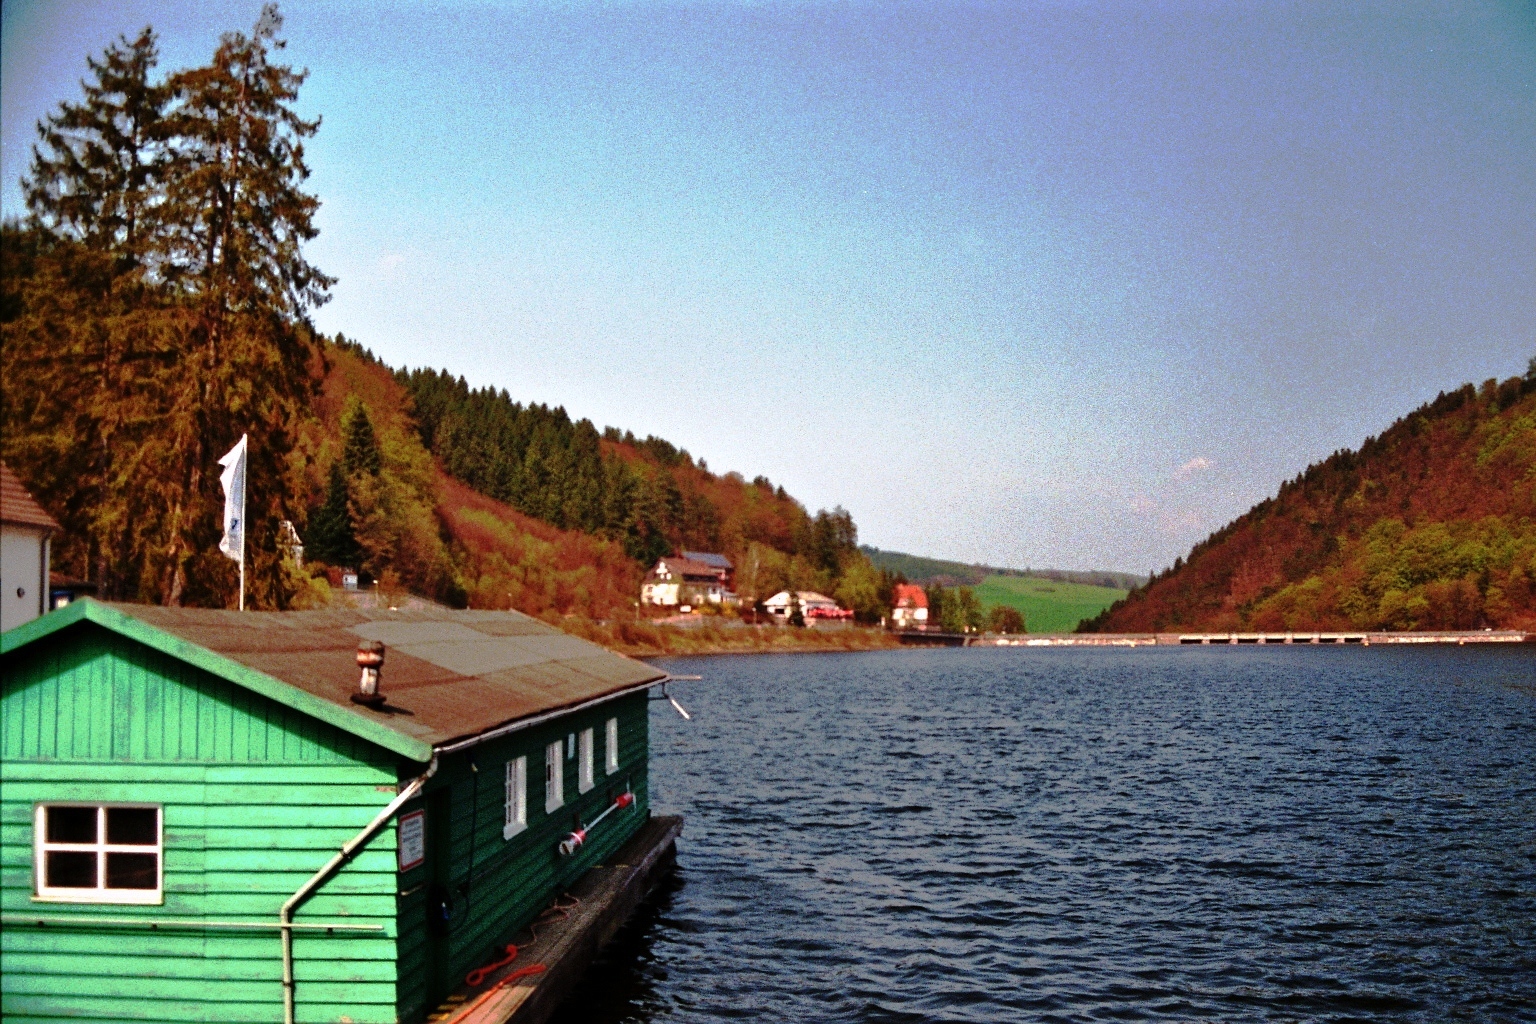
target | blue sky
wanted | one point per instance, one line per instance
(1065, 284)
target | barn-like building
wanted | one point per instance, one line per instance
(181, 791)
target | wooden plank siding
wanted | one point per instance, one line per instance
(514, 880)
(255, 798)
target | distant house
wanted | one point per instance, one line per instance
(718, 562)
(812, 606)
(911, 607)
(674, 582)
(25, 533)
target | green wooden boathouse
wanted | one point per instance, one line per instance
(205, 817)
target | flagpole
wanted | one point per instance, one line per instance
(242, 548)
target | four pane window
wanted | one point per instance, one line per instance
(98, 853)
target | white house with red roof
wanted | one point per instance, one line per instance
(911, 607)
(25, 532)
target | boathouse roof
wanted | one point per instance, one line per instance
(447, 674)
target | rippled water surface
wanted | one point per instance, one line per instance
(1076, 834)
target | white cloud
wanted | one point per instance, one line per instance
(1193, 466)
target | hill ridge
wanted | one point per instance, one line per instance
(1429, 525)
(923, 569)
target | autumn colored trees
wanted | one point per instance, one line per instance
(155, 308)
(644, 494)
(1431, 525)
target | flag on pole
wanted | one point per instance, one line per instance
(233, 479)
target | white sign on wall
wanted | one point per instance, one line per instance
(413, 839)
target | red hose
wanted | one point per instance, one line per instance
(521, 972)
(479, 974)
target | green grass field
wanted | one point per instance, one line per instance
(1048, 606)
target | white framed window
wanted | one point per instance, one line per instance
(611, 746)
(517, 798)
(98, 853)
(584, 761)
(554, 772)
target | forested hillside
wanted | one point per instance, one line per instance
(644, 494)
(369, 495)
(1431, 525)
(156, 305)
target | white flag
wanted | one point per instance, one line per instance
(233, 479)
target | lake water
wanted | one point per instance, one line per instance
(1092, 834)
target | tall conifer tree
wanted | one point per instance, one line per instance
(331, 539)
(98, 166)
(361, 452)
(241, 216)
(88, 331)
(164, 313)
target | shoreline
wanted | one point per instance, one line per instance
(662, 639)
(1364, 638)
(653, 640)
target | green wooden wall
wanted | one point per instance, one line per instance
(511, 880)
(256, 797)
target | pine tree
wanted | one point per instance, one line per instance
(89, 332)
(240, 215)
(331, 538)
(97, 170)
(164, 313)
(361, 453)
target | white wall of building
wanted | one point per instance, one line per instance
(23, 574)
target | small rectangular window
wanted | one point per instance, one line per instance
(517, 798)
(98, 853)
(611, 747)
(584, 762)
(554, 789)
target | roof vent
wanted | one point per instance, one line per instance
(370, 658)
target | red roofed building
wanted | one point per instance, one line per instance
(911, 607)
(25, 531)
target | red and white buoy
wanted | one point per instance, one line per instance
(571, 843)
